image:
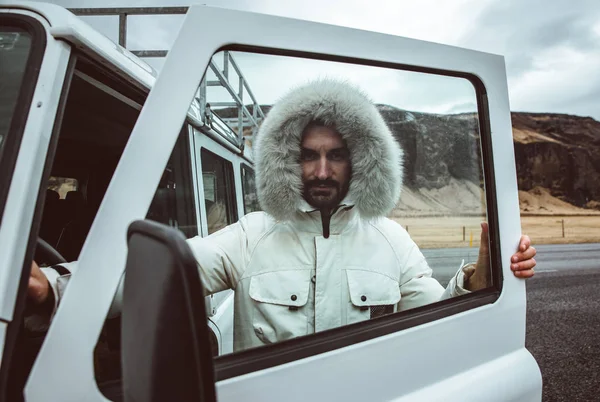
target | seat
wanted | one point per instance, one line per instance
(51, 226)
(77, 223)
(166, 353)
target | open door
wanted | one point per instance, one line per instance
(164, 337)
(468, 348)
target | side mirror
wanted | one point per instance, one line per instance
(166, 354)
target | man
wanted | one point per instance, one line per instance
(323, 255)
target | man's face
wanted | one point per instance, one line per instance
(325, 161)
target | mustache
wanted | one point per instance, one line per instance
(326, 182)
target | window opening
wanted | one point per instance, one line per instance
(219, 191)
(249, 189)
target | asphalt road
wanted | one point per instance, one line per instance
(563, 315)
(550, 258)
(563, 322)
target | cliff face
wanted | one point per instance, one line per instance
(560, 153)
(557, 156)
(438, 148)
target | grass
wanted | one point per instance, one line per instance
(464, 231)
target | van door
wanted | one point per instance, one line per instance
(468, 348)
(32, 76)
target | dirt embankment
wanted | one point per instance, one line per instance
(539, 201)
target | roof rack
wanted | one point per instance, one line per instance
(231, 129)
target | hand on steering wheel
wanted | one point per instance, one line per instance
(38, 288)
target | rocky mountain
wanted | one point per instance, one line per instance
(560, 153)
(557, 157)
(438, 148)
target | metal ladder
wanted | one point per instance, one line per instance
(230, 128)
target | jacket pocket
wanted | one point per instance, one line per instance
(371, 295)
(280, 304)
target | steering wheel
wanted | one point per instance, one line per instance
(29, 342)
(44, 252)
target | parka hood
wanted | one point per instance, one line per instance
(375, 155)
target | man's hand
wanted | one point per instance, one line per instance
(38, 290)
(522, 262)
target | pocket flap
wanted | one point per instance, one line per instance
(288, 288)
(368, 288)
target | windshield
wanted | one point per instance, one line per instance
(15, 46)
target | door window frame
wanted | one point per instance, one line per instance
(10, 151)
(11, 386)
(248, 361)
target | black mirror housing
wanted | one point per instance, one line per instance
(166, 353)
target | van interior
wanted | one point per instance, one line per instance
(99, 112)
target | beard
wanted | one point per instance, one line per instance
(323, 193)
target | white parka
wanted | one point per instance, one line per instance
(289, 279)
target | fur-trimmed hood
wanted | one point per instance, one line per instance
(375, 155)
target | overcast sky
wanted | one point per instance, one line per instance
(551, 47)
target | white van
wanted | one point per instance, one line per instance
(91, 140)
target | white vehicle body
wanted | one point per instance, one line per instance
(471, 353)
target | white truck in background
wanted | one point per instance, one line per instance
(77, 108)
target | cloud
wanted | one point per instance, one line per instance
(551, 48)
(522, 29)
(561, 80)
(440, 21)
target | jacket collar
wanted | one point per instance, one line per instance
(308, 218)
(304, 206)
